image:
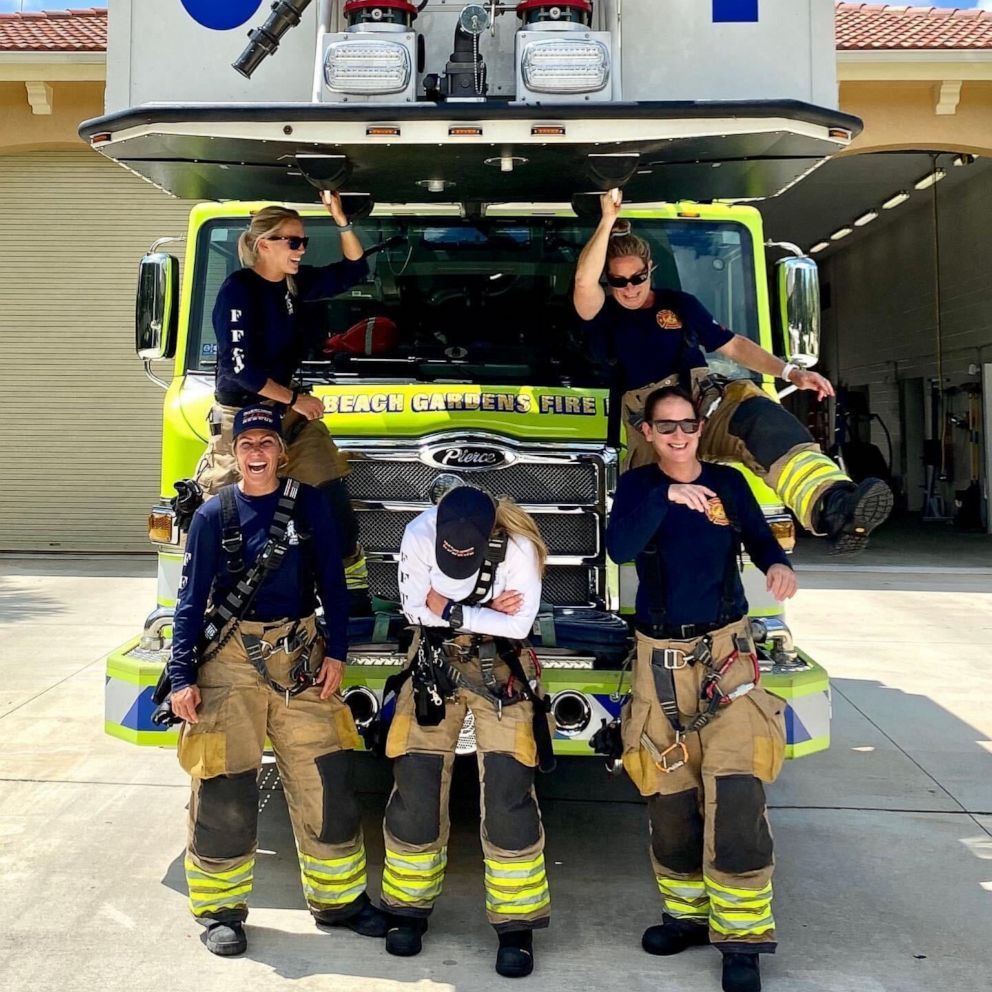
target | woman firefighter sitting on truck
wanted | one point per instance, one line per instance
(700, 736)
(249, 662)
(470, 578)
(260, 344)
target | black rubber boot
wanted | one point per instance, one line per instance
(515, 957)
(367, 922)
(674, 936)
(226, 939)
(848, 514)
(741, 973)
(404, 938)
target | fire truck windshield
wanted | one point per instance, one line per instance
(483, 301)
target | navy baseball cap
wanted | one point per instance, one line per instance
(465, 520)
(257, 418)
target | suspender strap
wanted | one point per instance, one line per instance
(495, 554)
(222, 620)
(509, 652)
(231, 538)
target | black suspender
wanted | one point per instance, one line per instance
(495, 555)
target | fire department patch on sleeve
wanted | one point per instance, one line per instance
(669, 320)
(716, 513)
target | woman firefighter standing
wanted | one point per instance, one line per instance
(260, 345)
(700, 736)
(249, 662)
(470, 578)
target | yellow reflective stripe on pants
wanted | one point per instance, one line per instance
(805, 475)
(210, 892)
(740, 912)
(517, 887)
(414, 878)
(336, 881)
(684, 898)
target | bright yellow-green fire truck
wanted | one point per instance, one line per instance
(474, 189)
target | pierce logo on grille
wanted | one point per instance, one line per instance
(469, 457)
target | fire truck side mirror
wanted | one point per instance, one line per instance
(799, 309)
(156, 319)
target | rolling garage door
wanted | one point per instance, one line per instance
(80, 425)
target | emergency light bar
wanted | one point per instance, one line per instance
(560, 66)
(367, 68)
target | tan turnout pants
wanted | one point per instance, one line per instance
(312, 739)
(711, 845)
(416, 824)
(749, 427)
(314, 458)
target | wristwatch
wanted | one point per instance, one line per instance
(455, 617)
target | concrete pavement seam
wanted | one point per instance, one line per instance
(54, 685)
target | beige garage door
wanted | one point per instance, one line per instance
(80, 425)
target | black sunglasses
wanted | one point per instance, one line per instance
(670, 426)
(619, 282)
(295, 243)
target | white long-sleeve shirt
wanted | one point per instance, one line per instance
(419, 573)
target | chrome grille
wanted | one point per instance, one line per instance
(409, 481)
(575, 534)
(564, 585)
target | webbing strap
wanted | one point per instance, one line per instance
(222, 619)
(495, 555)
(231, 538)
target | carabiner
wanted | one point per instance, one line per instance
(663, 764)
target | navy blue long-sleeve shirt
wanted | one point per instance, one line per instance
(283, 593)
(647, 345)
(259, 334)
(694, 547)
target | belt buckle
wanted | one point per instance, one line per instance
(681, 756)
(674, 659)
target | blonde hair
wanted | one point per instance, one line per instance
(625, 244)
(515, 522)
(264, 224)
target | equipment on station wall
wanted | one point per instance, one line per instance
(559, 59)
(376, 59)
(464, 77)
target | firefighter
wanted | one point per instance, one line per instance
(260, 344)
(249, 662)
(470, 579)
(700, 736)
(658, 337)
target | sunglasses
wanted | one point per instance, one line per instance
(670, 426)
(295, 243)
(619, 282)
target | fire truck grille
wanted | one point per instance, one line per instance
(565, 534)
(524, 482)
(564, 585)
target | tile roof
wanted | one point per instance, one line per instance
(860, 27)
(875, 26)
(54, 31)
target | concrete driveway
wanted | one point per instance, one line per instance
(884, 843)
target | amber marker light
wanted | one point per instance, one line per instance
(161, 525)
(378, 131)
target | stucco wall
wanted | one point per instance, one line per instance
(21, 130)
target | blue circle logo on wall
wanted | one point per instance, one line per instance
(221, 15)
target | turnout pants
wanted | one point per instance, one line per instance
(750, 427)
(711, 845)
(312, 740)
(314, 459)
(416, 822)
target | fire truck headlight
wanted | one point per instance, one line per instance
(784, 530)
(559, 66)
(367, 67)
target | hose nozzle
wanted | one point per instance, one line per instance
(264, 41)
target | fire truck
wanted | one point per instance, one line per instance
(471, 143)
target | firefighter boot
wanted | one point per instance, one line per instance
(741, 973)
(404, 937)
(515, 957)
(848, 513)
(367, 922)
(226, 939)
(673, 936)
